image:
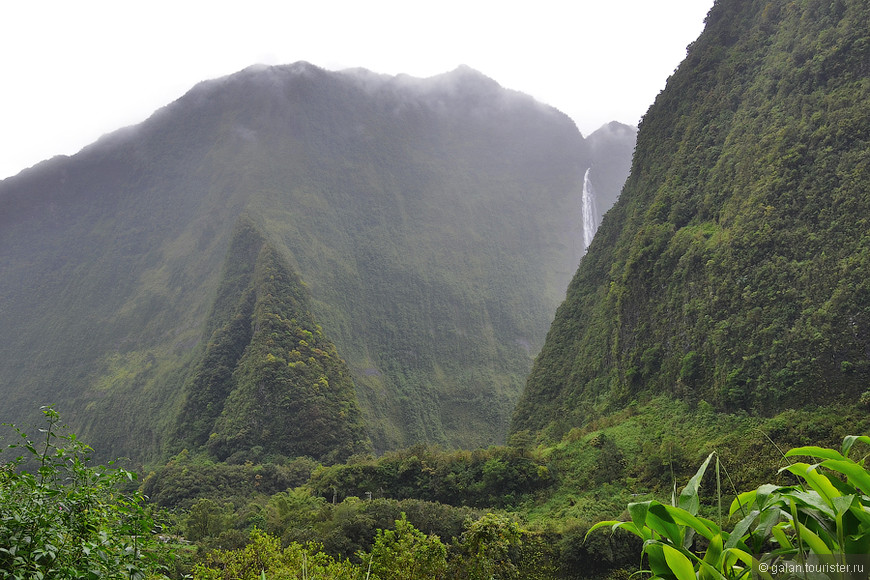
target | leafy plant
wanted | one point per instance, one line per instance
(821, 520)
(490, 548)
(669, 532)
(824, 517)
(264, 557)
(406, 552)
(61, 518)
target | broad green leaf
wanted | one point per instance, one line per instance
(816, 480)
(814, 500)
(708, 572)
(604, 524)
(657, 561)
(813, 541)
(643, 533)
(766, 521)
(679, 564)
(637, 511)
(856, 474)
(741, 528)
(843, 504)
(813, 451)
(743, 501)
(615, 525)
(660, 520)
(685, 518)
(765, 494)
(862, 514)
(780, 536)
(748, 560)
(850, 440)
(713, 555)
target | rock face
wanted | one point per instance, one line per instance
(415, 234)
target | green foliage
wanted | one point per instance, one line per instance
(734, 267)
(264, 557)
(406, 552)
(270, 380)
(490, 548)
(62, 518)
(494, 477)
(184, 479)
(206, 518)
(819, 521)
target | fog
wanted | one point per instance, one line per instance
(73, 71)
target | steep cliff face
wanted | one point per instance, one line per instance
(432, 225)
(734, 268)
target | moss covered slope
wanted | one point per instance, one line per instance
(735, 267)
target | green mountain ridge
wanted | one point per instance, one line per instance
(269, 380)
(434, 223)
(734, 268)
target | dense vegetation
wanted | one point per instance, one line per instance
(816, 527)
(432, 221)
(734, 268)
(237, 520)
(269, 383)
(63, 518)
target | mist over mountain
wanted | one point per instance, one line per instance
(611, 147)
(734, 268)
(294, 261)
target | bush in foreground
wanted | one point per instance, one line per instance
(62, 518)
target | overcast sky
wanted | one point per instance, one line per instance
(74, 70)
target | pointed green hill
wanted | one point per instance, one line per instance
(269, 380)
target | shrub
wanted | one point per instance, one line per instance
(61, 518)
(821, 521)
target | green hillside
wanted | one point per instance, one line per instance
(269, 380)
(428, 226)
(735, 267)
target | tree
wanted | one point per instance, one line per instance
(406, 552)
(490, 548)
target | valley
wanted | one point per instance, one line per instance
(368, 312)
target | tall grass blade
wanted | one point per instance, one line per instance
(718, 491)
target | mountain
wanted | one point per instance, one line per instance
(292, 261)
(611, 148)
(735, 267)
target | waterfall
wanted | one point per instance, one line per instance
(589, 225)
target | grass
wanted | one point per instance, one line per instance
(640, 452)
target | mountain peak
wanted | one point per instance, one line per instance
(431, 223)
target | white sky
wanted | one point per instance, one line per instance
(75, 70)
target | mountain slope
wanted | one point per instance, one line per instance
(269, 379)
(734, 268)
(434, 223)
